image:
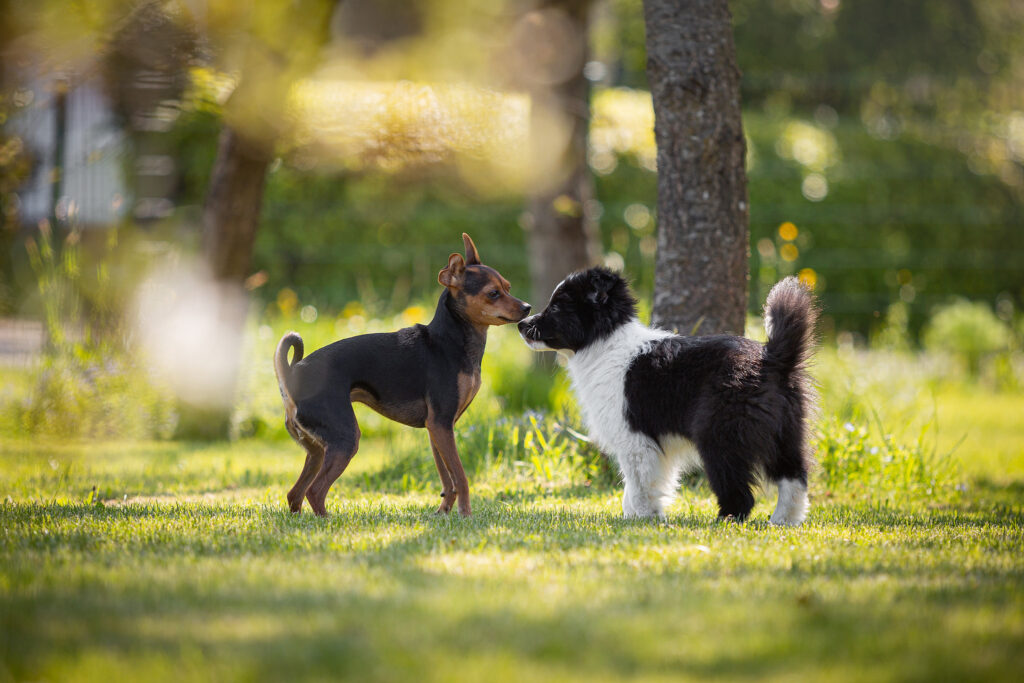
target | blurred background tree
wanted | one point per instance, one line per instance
(884, 148)
(551, 50)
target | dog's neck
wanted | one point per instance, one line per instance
(614, 351)
(451, 327)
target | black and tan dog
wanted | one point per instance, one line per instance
(421, 376)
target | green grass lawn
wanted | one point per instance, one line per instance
(162, 560)
(187, 566)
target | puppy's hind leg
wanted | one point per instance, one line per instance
(340, 445)
(730, 475)
(788, 470)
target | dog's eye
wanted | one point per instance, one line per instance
(493, 294)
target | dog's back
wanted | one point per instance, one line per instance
(659, 403)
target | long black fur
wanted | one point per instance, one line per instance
(743, 404)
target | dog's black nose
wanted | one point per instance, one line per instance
(526, 309)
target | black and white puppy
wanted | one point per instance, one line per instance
(660, 404)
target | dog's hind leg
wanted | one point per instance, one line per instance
(340, 445)
(314, 459)
(788, 471)
(730, 474)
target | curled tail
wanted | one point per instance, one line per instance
(281, 366)
(790, 314)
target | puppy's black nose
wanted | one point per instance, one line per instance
(526, 309)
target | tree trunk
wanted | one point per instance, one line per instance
(563, 234)
(231, 213)
(700, 277)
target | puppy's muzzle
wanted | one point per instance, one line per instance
(528, 328)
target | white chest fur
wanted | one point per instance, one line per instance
(598, 375)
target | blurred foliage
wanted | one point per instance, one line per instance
(885, 146)
(871, 462)
(86, 384)
(869, 233)
(970, 330)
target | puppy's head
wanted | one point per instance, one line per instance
(585, 307)
(480, 293)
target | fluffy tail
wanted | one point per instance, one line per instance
(790, 314)
(281, 366)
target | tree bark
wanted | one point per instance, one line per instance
(700, 278)
(231, 213)
(562, 233)
(231, 216)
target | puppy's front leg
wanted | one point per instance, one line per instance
(442, 438)
(640, 498)
(627, 500)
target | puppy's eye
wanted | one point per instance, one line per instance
(493, 294)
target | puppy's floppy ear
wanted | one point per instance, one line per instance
(472, 257)
(452, 274)
(600, 286)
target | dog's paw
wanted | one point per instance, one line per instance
(791, 510)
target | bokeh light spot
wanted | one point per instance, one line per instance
(637, 216)
(808, 277)
(814, 187)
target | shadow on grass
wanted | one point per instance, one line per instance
(432, 626)
(426, 623)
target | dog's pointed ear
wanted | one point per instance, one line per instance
(451, 275)
(472, 257)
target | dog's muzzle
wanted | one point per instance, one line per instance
(528, 331)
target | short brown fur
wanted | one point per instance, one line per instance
(476, 298)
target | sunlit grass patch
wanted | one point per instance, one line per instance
(554, 586)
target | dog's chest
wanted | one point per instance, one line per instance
(598, 375)
(599, 392)
(468, 386)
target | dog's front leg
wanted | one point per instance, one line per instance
(447, 485)
(641, 497)
(627, 500)
(442, 438)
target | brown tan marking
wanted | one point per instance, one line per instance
(469, 384)
(487, 302)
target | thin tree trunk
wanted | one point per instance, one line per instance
(700, 278)
(231, 216)
(563, 234)
(231, 213)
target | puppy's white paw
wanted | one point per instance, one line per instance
(791, 510)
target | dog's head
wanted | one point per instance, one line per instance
(585, 307)
(480, 292)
